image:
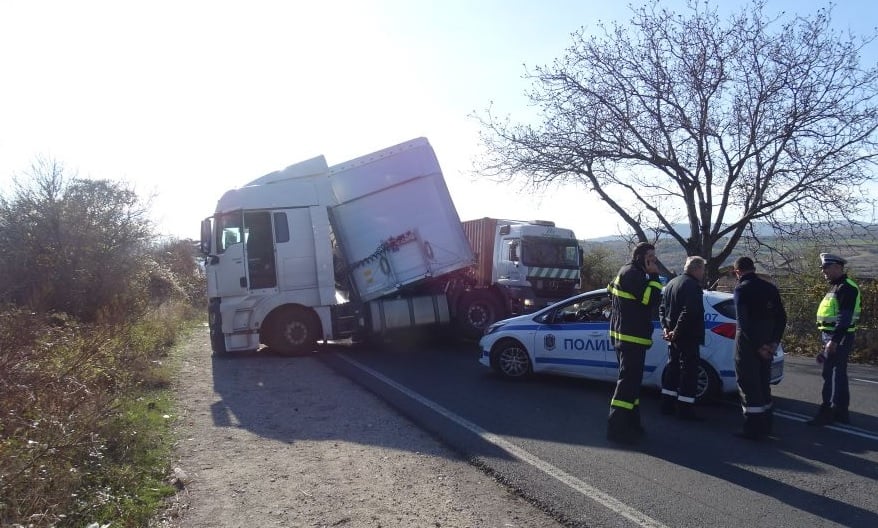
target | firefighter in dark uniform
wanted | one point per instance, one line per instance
(682, 318)
(635, 292)
(761, 323)
(837, 318)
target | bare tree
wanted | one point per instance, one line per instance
(716, 124)
(73, 244)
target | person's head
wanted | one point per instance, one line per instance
(832, 266)
(743, 266)
(695, 267)
(642, 252)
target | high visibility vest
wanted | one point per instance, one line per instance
(827, 311)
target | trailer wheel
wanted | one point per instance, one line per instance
(292, 331)
(477, 311)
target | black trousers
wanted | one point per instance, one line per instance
(754, 376)
(626, 397)
(836, 392)
(680, 377)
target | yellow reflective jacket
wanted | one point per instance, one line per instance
(839, 311)
(635, 293)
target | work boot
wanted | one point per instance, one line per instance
(753, 428)
(841, 416)
(635, 423)
(823, 417)
(620, 429)
(669, 405)
(686, 412)
(768, 422)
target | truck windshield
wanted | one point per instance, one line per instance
(550, 252)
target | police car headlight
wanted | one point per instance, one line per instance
(528, 302)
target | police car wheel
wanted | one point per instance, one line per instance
(708, 383)
(509, 358)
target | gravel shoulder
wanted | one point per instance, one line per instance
(272, 441)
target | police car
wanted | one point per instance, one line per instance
(571, 338)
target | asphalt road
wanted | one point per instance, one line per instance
(546, 437)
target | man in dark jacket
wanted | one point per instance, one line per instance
(761, 323)
(837, 318)
(682, 318)
(635, 292)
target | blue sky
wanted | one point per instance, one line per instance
(186, 99)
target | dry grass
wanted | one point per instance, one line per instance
(82, 434)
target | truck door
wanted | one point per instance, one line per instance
(226, 263)
(259, 250)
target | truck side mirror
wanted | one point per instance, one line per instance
(205, 236)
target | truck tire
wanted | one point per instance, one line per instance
(476, 312)
(292, 331)
(217, 339)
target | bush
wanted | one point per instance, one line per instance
(802, 293)
(74, 245)
(79, 438)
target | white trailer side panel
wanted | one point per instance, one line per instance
(395, 220)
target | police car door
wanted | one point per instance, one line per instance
(573, 339)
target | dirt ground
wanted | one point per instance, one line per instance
(271, 441)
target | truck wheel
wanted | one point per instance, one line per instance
(478, 310)
(708, 386)
(510, 359)
(293, 331)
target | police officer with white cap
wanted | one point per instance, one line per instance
(837, 318)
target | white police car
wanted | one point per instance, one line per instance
(571, 338)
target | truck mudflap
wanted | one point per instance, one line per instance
(215, 323)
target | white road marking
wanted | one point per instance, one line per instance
(865, 381)
(606, 500)
(848, 429)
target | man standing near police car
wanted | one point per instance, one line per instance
(837, 318)
(682, 318)
(762, 320)
(635, 292)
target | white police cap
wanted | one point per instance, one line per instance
(828, 258)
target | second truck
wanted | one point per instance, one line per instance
(367, 247)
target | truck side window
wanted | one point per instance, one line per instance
(229, 231)
(513, 250)
(281, 228)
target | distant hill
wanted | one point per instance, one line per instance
(859, 247)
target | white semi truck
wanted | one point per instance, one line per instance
(358, 249)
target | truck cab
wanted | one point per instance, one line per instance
(520, 267)
(537, 261)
